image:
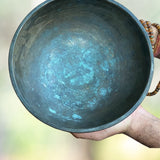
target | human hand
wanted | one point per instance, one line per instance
(121, 127)
(132, 126)
(140, 125)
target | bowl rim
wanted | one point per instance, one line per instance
(81, 130)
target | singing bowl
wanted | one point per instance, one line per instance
(81, 65)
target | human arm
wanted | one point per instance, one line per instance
(144, 128)
(141, 126)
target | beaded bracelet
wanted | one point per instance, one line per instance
(156, 47)
(148, 27)
(156, 53)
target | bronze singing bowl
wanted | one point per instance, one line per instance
(81, 65)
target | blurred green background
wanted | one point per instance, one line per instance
(23, 137)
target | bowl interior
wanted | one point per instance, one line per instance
(80, 65)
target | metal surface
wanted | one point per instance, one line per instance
(81, 65)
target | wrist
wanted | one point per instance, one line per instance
(134, 121)
(144, 128)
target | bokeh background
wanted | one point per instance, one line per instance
(23, 137)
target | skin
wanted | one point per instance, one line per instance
(140, 125)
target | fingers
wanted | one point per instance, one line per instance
(97, 136)
(100, 135)
(121, 127)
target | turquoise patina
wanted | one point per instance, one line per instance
(81, 65)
